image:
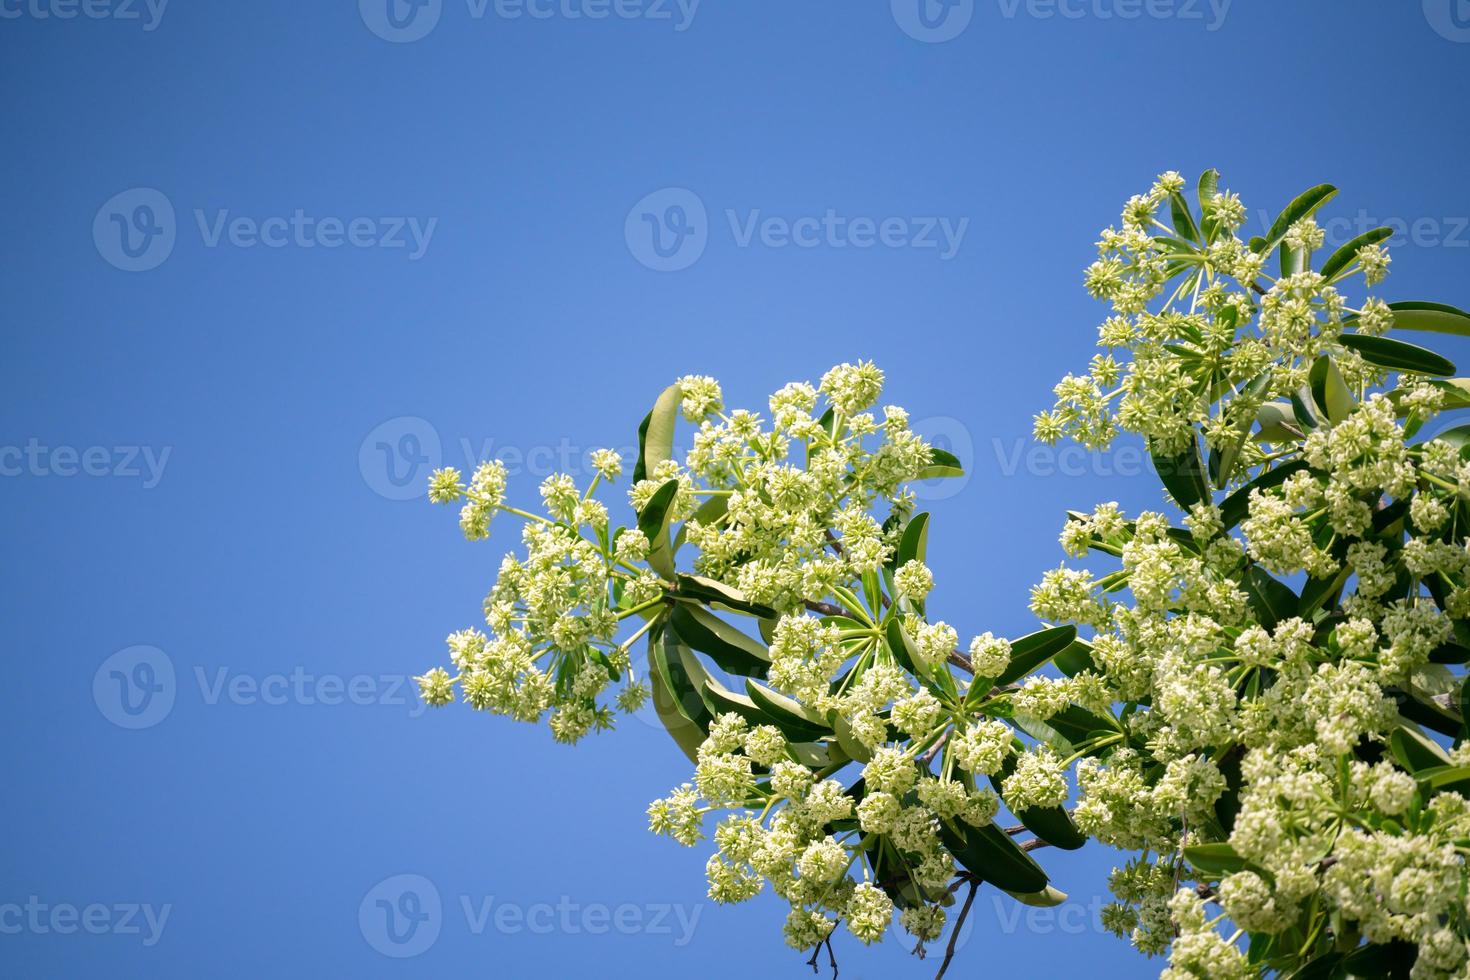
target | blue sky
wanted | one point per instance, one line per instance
(266, 263)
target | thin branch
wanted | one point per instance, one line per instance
(954, 934)
(1033, 844)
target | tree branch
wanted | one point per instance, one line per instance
(954, 934)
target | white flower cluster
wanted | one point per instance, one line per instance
(1280, 725)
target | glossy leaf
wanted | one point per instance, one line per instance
(727, 646)
(1183, 475)
(1330, 391)
(654, 522)
(656, 434)
(796, 721)
(1305, 203)
(1215, 860)
(1348, 253)
(942, 464)
(990, 854)
(1396, 355)
(1035, 649)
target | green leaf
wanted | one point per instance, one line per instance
(1388, 960)
(902, 647)
(1048, 897)
(1215, 860)
(1329, 391)
(1035, 649)
(720, 596)
(942, 464)
(1076, 658)
(726, 645)
(1183, 219)
(1235, 507)
(1277, 421)
(914, 542)
(1271, 600)
(796, 721)
(1430, 318)
(1304, 204)
(1076, 724)
(1415, 751)
(1209, 186)
(675, 699)
(1397, 355)
(846, 739)
(654, 522)
(1183, 475)
(1345, 255)
(990, 854)
(1222, 462)
(656, 434)
(1052, 824)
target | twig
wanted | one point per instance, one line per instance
(954, 934)
(1033, 844)
(831, 957)
(934, 749)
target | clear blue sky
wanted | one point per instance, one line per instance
(445, 245)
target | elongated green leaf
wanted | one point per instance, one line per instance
(1076, 724)
(1397, 355)
(1031, 651)
(1183, 475)
(1235, 507)
(1419, 709)
(1215, 860)
(656, 434)
(1048, 897)
(676, 700)
(1304, 204)
(993, 856)
(1277, 423)
(1271, 600)
(1430, 318)
(1414, 751)
(1345, 255)
(1208, 187)
(798, 722)
(1076, 658)
(1052, 824)
(942, 464)
(721, 596)
(1329, 391)
(1389, 961)
(1183, 218)
(726, 645)
(654, 522)
(914, 543)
